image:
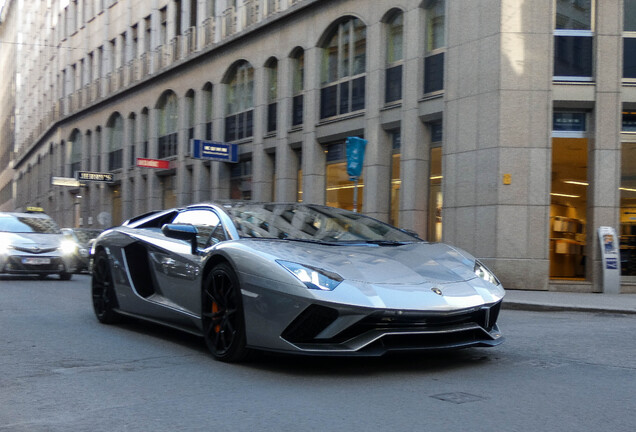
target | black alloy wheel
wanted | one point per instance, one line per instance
(103, 291)
(222, 317)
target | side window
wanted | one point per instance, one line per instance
(207, 223)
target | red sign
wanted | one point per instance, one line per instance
(153, 163)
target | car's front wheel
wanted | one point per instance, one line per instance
(222, 318)
(103, 291)
(66, 276)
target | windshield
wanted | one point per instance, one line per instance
(28, 224)
(311, 222)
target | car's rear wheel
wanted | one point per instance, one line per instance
(103, 291)
(222, 318)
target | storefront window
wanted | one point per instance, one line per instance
(241, 181)
(628, 209)
(396, 181)
(435, 198)
(168, 192)
(568, 200)
(340, 189)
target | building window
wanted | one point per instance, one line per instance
(394, 57)
(168, 125)
(241, 180)
(145, 132)
(568, 195)
(339, 189)
(132, 138)
(573, 40)
(343, 69)
(298, 87)
(190, 114)
(208, 105)
(628, 196)
(629, 39)
(115, 141)
(239, 120)
(435, 46)
(76, 152)
(272, 94)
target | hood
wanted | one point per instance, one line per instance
(31, 240)
(408, 264)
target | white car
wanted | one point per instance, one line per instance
(32, 243)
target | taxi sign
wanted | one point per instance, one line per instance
(34, 210)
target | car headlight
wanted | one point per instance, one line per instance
(68, 247)
(4, 248)
(482, 272)
(312, 277)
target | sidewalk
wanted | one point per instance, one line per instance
(567, 301)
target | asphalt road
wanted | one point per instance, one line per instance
(63, 371)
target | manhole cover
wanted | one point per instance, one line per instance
(458, 397)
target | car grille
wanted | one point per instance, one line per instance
(35, 250)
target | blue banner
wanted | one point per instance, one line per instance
(355, 155)
(212, 150)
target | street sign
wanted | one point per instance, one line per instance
(153, 163)
(212, 150)
(95, 176)
(65, 181)
(355, 156)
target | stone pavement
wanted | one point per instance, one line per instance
(569, 301)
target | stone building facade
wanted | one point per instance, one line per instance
(503, 127)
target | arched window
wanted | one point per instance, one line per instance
(298, 86)
(115, 128)
(272, 94)
(394, 57)
(168, 124)
(239, 119)
(343, 69)
(75, 142)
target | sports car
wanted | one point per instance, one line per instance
(296, 278)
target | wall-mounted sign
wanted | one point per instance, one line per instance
(65, 181)
(568, 121)
(212, 150)
(153, 163)
(95, 176)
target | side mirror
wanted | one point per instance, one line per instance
(182, 232)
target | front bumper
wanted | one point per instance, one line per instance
(323, 330)
(21, 264)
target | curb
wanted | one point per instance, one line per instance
(512, 305)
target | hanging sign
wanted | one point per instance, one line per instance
(95, 176)
(153, 163)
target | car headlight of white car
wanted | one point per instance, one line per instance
(68, 247)
(482, 272)
(313, 277)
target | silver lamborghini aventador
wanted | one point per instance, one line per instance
(295, 278)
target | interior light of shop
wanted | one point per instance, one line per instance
(396, 182)
(575, 182)
(627, 189)
(436, 177)
(565, 195)
(343, 187)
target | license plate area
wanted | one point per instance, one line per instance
(36, 261)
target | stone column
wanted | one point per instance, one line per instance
(286, 160)
(605, 149)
